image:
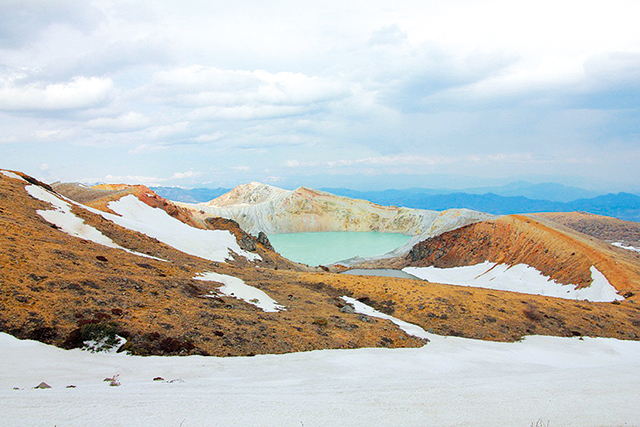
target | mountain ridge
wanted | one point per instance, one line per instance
(622, 205)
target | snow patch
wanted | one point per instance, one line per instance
(10, 174)
(629, 248)
(214, 245)
(518, 278)
(409, 328)
(235, 287)
(62, 217)
(105, 345)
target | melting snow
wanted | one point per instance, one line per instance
(629, 248)
(213, 245)
(235, 287)
(451, 381)
(518, 278)
(62, 217)
(104, 345)
(10, 174)
(409, 328)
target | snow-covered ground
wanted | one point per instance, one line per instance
(629, 248)
(409, 328)
(10, 174)
(450, 381)
(213, 245)
(235, 287)
(62, 217)
(518, 278)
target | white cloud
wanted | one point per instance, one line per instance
(210, 137)
(244, 95)
(122, 123)
(129, 179)
(182, 175)
(79, 92)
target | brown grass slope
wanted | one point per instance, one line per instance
(484, 313)
(52, 285)
(560, 253)
(601, 227)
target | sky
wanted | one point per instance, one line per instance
(359, 94)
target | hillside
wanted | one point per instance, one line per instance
(171, 281)
(561, 254)
(605, 228)
(55, 284)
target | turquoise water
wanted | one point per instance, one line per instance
(325, 248)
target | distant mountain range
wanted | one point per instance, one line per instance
(546, 191)
(624, 206)
(518, 197)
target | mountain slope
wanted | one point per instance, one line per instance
(602, 227)
(561, 254)
(57, 287)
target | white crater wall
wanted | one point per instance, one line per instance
(260, 207)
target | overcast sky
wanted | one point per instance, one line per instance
(361, 94)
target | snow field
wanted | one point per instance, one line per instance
(235, 287)
(450, 381)
(62, 217)
(10, 174)
(409, 328)
(518, 278)
(214, 245)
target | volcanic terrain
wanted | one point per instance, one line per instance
(57, 287)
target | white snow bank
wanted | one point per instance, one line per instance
(10, 174)
(518, 278)
(409, 328)
(235, 287)
(214, 245)
(104, 345)
(629, 248)
(451, 381)
(62, 217)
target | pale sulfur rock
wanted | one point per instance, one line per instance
(260, 207)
